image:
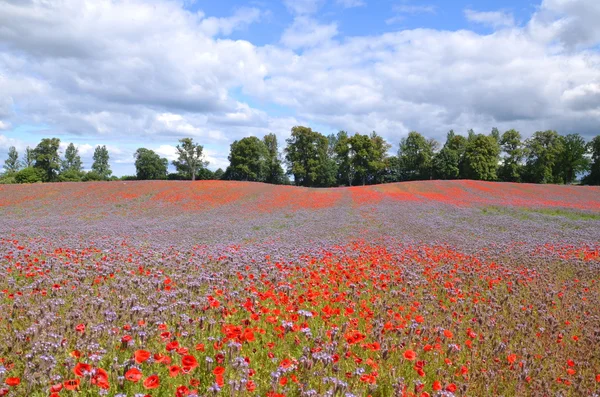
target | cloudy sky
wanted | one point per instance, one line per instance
(133, 73)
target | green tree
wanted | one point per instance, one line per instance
(149, 165)
(593, 178)
(481, 158)
(190, 159)
(448, 162)
(573, 158)
(248, 160)
(100, 166)
(275, 173)
(512, 166)
(12, 163)
(29, 175)
(47, 159)
(306, 156)
(28, 158)
(218, 174)
(543, 151)
(339, 148)
(416, 157)
(379, 158)
(72, 161)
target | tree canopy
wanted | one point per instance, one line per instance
(149, 165)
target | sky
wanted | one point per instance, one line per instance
(146, 73)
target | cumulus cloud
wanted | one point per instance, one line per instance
(495, 19)
(307, 32)
(148, 73)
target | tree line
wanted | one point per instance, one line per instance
(315, 160)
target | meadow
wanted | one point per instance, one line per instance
(436, 288)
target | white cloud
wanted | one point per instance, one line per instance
(149, 73)
(495, 19)
(307, 32)
(303, 7)
(351, 3)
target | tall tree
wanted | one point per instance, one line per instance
(149, 165)
(12, 163)
(340, 145)
(248, 160)
(190, 159)
(416, 157)
(275, 173)
(543, 152)
(72, 161)
(28, 158)
(593, 178)
(306, 155)
(481, 158)
(448, 163)
(512, 166)
(47, 159)
(100, 165)
(379, 158)
(573, 158)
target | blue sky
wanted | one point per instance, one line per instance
(132, 73)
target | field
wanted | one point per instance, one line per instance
(453, 288)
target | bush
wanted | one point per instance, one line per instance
(29, 175)
(7, 179)
(71, 176)
(92, 176)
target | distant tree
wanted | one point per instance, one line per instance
(248, 160)
(416, 157)
(47, 159)
(543, 151)
(339, 151)
(72, 161)
(190, 159)
(593, 178)
(481, 158)
(218, 174)
(101, 166)
(12, 163)
(379, 158)
(92, 176)
(306, 156)
(28, 158)
(448, 162)
(512, 166)
(30, 175)
(392, 169)
(149, 165)
(274, 172)
(573, 159)
(496, 135)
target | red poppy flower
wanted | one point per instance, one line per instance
(12, 381)
(219, 370)
(174, 371)
(189, 361)
(80, 328)
(71, 384)
(152, 382)
(437, 385)
(133, 375)
(451, 388)
(141, 356)
(81, 368)
(410, 355)
(250, 385)
(56, 388)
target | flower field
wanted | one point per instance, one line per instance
(453, 288)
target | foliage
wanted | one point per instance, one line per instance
(594, 176)
(149, 165)
(47, 159)
(512, 166)
(72, 161)
(218, 174)
(274, 171)
(416, 157)
(447, 163)
(572, 160)
(481, 158)
(543, 151)
(101, 165)
(190, 158)
(30, 175)
(28, 158)
(248, 160)
(307, 159)
(92, 176)
(12, 163)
